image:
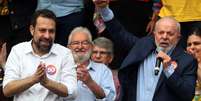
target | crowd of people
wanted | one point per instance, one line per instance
(51, 51)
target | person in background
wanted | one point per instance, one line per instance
(31, 72)
(103, 53)
(95, 80)
(194, 48)
(3, 56)
(102, 50)
(137, 16)
(15, 18)
(138, 78)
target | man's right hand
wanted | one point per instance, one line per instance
(101, 3)
(18, 86)
(83, 74)
(40, 72)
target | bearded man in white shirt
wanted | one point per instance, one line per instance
(40, 70)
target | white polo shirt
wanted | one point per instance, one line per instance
(22, 62)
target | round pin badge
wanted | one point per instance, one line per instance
(51, 69)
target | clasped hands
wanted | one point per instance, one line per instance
(83, 74)
(40, 74)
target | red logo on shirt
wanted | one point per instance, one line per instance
(51, 69)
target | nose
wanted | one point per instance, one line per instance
(47, 34)
(98, 55)
(164, 36)
(80, 45)
(191, 48)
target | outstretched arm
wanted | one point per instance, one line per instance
(157, 4)
(120, 36)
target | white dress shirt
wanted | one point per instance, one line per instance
(22, 62)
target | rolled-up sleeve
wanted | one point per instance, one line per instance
(12, 70)
(106, 14)
(107, 83)
(69, 77)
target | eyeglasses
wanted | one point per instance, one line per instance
(101, 52)
(83, 43)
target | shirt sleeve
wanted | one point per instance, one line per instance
(108, 87)
(169, 71)
(12, 67)
(157, 4)
(106, 14)
(68, 76)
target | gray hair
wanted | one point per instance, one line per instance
(80, 29)
(170, 18)
(104, 43)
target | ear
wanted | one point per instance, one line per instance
(31, 29)
(179, 35)
(68, 46)
(110, 58)
(154, 32)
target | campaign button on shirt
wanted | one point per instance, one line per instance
(51, 69)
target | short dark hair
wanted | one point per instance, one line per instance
(195, 30)
(42, 13)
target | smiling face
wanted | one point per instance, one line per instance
(193, 44)
(43, 35)
(166, 33)
(81, 46)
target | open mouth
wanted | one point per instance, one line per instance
(80, 52)
(164, 44)
(44, 43)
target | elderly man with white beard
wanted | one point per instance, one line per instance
(95, 80)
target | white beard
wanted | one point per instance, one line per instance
(79, 58)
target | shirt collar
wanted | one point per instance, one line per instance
(29, 49)
(169, 52)
(91, 65)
